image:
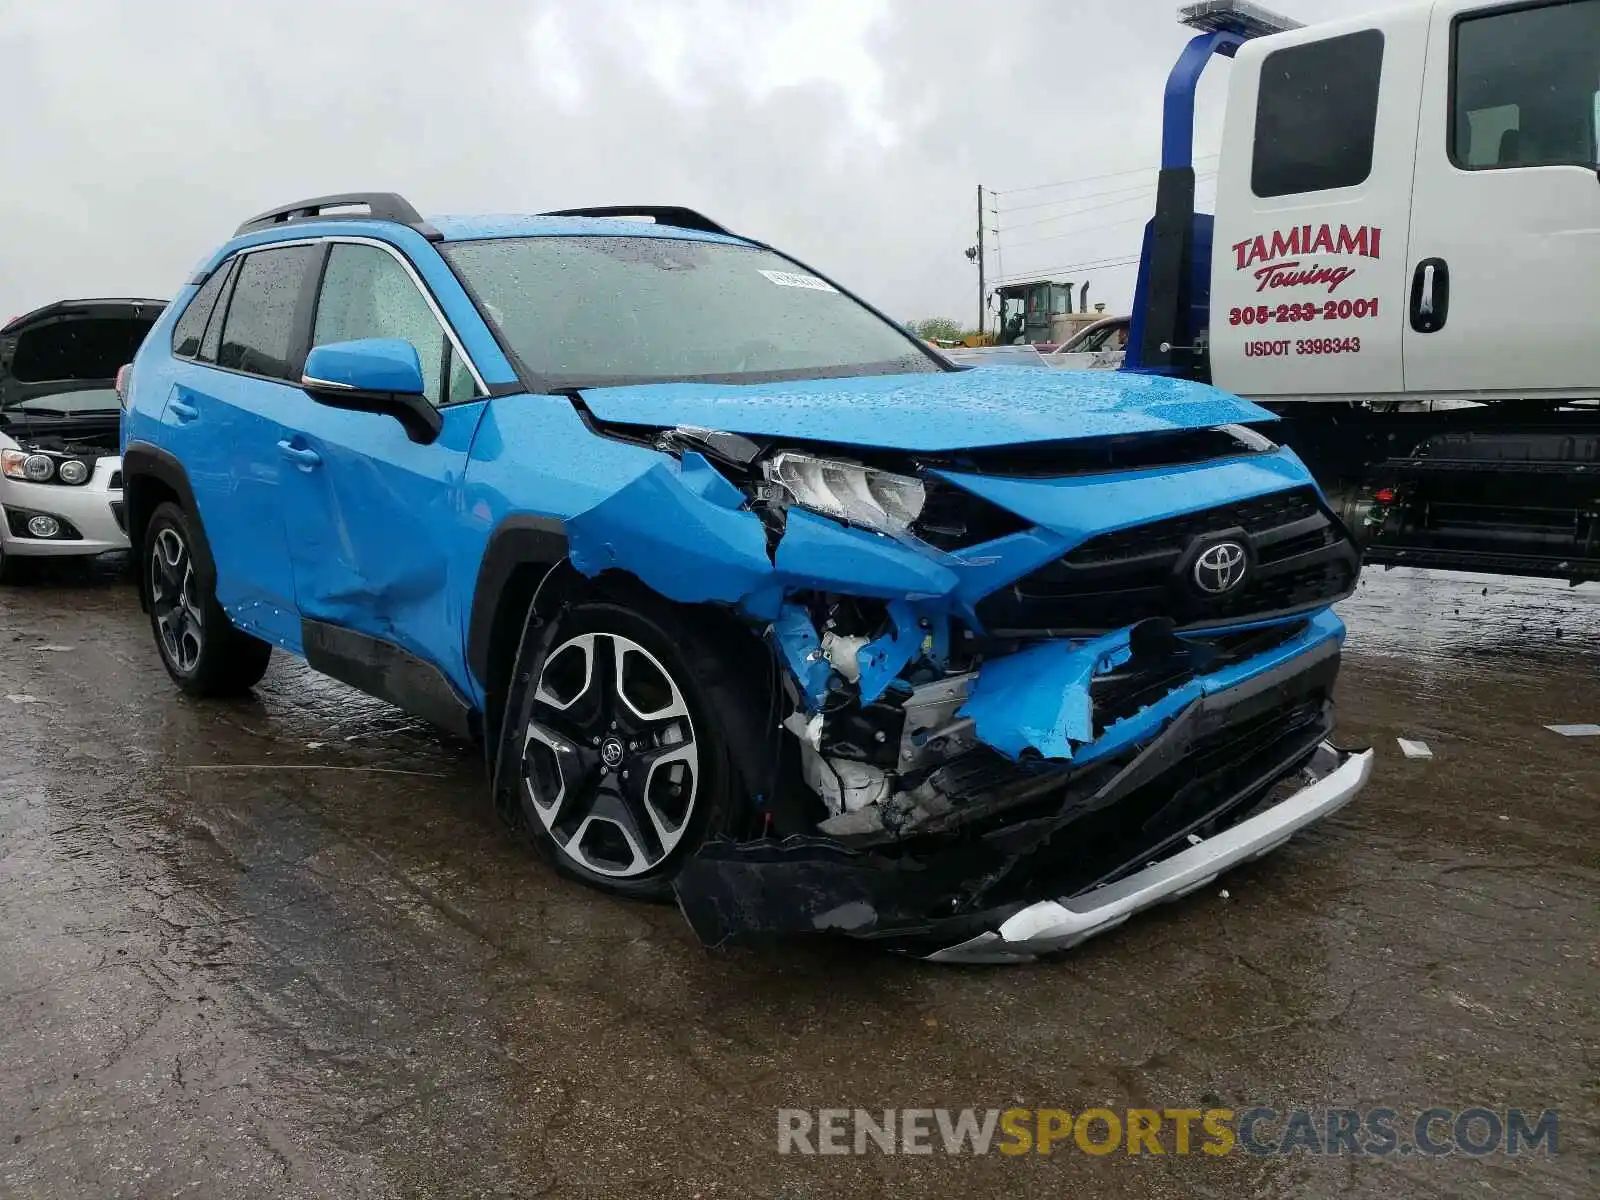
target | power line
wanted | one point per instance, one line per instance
(1099, 265)
(1143, 193)
(1072, 233)
(1140, 188)
(1037, 187)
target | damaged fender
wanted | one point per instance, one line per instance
(697, 549)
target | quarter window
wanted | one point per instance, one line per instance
(1526, 88)
(259, 329)
(211, 343)
(1317, 115)
(366, 293)
(191, 327)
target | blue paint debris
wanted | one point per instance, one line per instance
(883, 659)
(1038, 699)
(801, 649)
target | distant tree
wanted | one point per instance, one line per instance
(938, 329)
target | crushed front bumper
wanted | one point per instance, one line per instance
(1051, 925)
(1043, 856)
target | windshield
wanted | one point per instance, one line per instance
(603, 311)
(72, 404)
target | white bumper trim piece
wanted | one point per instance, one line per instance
(1061, 924)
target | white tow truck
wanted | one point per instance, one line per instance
(1404, 264)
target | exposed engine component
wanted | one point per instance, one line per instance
(932, 732)
(845, 786)
(844, 653)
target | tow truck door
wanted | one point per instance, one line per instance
(1505, 228)
(1313, 208)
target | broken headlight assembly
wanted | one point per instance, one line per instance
(927, 509)
(879, 500)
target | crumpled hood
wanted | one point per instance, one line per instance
(956, 410)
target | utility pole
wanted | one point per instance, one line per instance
(980, 259)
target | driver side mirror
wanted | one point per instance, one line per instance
(376, 375)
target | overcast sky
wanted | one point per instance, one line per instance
(851, 133)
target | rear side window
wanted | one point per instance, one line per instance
(1317, 115)
(1526, 87)
(259, 329)
(191, 327)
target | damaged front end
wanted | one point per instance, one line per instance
(1026, 693)
(960, 850)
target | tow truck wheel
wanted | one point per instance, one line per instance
(200, 648)
(622, 768)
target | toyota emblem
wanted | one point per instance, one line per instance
(1220, 568)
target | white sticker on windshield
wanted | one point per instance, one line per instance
(790, 279)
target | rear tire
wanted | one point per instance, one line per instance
(617, 753)
(200, 648)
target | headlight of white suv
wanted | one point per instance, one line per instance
(878, 500)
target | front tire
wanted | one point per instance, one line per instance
(200, 648)
(618, 758)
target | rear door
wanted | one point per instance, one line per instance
(1313, 207)
(1504, 256)
(222, 421)
(371, 515)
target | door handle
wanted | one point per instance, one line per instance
(306, 460)
(1430, 295)
(182, 411)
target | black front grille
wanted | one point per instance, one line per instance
(115, 481)
(1137, 684)
(1301, 559)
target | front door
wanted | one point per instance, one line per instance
(1313, 204)
(370, 514)
(1504, 255)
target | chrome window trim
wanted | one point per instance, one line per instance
(416, 281)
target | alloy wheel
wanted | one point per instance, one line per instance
(609, 757)
(173, 600)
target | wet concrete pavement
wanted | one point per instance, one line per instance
(280, 948)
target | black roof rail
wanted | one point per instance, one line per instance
(380, 206)
(662, 214)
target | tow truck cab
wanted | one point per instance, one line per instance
(1407, 226)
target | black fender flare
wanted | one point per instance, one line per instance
(143, 461)
(520, 540)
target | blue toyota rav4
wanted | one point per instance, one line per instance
(751, 599)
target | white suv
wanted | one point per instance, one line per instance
(60, 473)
